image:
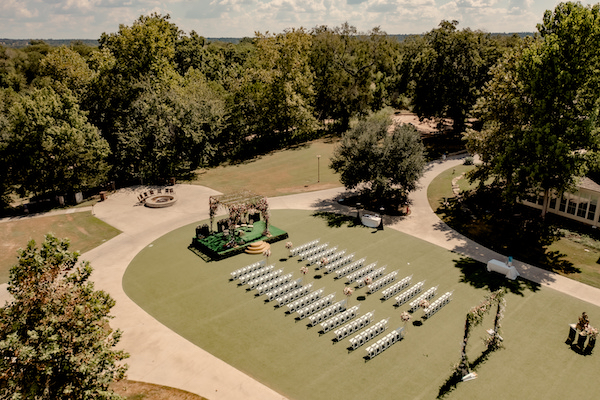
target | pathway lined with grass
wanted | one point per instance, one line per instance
(161, 356)
(425, 224)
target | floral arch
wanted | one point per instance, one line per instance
(240, 204)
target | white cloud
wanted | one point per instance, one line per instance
(238, 18)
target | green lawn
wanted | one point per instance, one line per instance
(197, 300)
(441, 186)
(83, 230)
(278, 173)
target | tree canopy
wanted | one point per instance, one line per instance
(540, 109)
(55, 337)
(53, 147)
(166, 102)
(449, 69)
(382, 159)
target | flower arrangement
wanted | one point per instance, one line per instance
(591, 331)
(424, 304)
(368, 280)
(304, 270)
(405, 316)
(289, 245)
(324, 261)
(348, 291)
(267, 253)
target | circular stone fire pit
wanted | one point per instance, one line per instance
(160, 201)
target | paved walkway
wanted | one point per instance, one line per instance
(159, 355)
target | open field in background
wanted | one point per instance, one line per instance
(581, 257)
(83, 230)
(197, 300)
(278, 173)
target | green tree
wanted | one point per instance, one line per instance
(350, 69)
(147, 48)
(54, 149)
(171, 130)
(67, 70)
(11, 68)
(55, 337)
(7, 97)
(540, 110)
(449, 71)
(381, 159)
(273, 101)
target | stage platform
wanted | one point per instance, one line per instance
(217, 245)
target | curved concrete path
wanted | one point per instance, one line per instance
(159, 355)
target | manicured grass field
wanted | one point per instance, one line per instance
(197, 300)
(441, 186)
(278, 173)
(83, 230)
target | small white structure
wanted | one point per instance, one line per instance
(371, 220)
(503, 268)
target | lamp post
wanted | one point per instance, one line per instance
(318, 168)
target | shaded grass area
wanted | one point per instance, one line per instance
(133, 390)
(514, 230)
(283, 172)
(83, 230)
(441, 186)
(197, 300)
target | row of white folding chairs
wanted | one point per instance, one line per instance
(428, 295)
(373, 275)
(354, 326)
(340, 319)
(318, 256)
(396, 287)
(364, 271)
(328, 312)
(316, 306)
(330, 259)
(281, 290)
(248, 268)
(343, 270)
(409, 293)
(265, 278)
(329, 267)
(303, 247)
(293, 295)
(256, 273)
(306, 300)
(312, 251)
(379, 283)
(438, 304)
(368, 334)
(385, 342)
(275, 283)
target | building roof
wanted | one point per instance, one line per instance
(587, 183)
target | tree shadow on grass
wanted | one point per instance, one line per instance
(337, 220)
(555, 261)
(475, 274)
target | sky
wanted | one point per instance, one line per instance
(88, 19)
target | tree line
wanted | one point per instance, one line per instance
(153, 102)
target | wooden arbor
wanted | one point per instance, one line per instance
(240, 204)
